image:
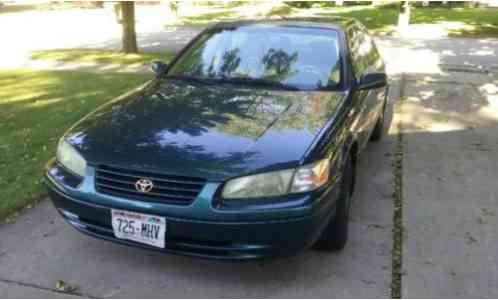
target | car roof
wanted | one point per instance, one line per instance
(336, 23)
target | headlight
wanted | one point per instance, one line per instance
(70, 158)
(311, 177)
(302, 179)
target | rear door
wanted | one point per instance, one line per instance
(375, 65)
(364, 59)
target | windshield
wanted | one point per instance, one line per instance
(303, 58)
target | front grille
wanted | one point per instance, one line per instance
(167, 188)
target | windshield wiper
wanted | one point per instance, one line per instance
(259, 82)
(192, 79)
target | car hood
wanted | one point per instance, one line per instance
(215, 132)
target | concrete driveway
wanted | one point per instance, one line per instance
(450, 130)
(448, 120)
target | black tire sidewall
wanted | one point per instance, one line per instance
(378, 131)
(335, 235)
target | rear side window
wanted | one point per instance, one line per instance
(362, 50)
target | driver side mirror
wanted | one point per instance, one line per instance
(372, 81)
(158, 67)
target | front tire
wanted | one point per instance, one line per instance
(335, 235)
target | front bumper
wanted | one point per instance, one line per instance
(222, 237)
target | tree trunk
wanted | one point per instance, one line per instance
(404, 14)
(129, 37)
(173, 6)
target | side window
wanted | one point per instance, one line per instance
(360, 45)
(374, 59)
(352, 45)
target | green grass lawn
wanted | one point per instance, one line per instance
(377, 20)
(20, 7)
(477, 22)
(35, 110)
(100, 56)
(373, 18)
(467, 22)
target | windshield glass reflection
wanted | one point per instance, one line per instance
(305, 58)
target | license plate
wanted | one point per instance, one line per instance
(142, 228)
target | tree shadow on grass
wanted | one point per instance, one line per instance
(99, 56)
(378, 20)
(468, 22)
(35, 109)
(206, 18)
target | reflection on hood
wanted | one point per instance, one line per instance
(210, 131)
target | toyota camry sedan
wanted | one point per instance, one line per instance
(244, 146)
